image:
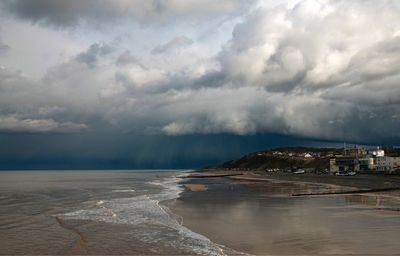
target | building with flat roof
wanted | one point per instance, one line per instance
(343, 165)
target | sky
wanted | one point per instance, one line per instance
(186, 83)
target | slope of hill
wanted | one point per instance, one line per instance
(285, 158)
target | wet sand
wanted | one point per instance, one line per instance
(196, 187)
(361, 181)
(257, 214)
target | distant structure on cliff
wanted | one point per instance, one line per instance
(364, 160)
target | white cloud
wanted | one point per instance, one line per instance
(14, 124)
(33, 49)
(176, 43)
(318, 61)
(310, 45)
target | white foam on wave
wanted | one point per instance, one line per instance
(152, 220)
(123, 190)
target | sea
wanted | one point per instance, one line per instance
(150, 212)
(96, 212)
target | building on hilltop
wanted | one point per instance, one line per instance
(307, 155)
(377, 152)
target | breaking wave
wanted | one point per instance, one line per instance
(154, 223)
(123, 190)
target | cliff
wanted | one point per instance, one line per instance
(285, 158)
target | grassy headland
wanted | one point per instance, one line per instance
(279, 165)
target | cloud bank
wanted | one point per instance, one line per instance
(316, 68)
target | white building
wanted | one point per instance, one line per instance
(378, 152)
(387, 164)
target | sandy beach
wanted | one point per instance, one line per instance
(361, 181)
(257, 213)
(196, 187)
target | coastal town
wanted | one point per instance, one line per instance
(347, 170)
(364, 160)
(336, 161)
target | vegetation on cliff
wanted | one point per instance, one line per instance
(285, 158)
(293, 158)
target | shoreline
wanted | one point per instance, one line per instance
(253, 200)
(359, 181)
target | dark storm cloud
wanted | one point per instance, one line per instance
(99, 12)
(128, 151)
(59, 13)
(317, 69)
(212, 79)
(321, 69)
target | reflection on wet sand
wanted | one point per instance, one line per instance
(364, 199)
(382, 203)
(283, 188)
(262, 218)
